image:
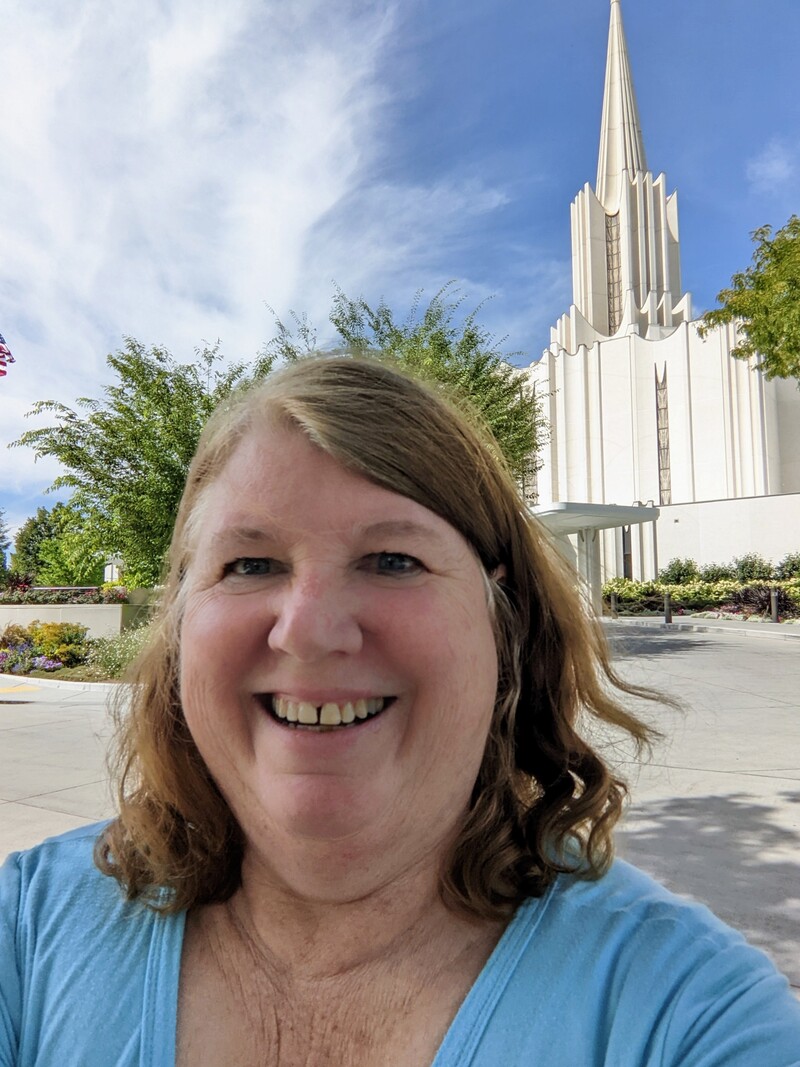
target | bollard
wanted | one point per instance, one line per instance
(773, 604)
(667, 608)
(614, 605)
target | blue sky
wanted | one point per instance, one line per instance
(172, 166)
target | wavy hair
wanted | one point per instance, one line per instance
(544, 801)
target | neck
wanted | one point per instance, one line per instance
(318, 937)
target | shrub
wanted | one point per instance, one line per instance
(629, 591)
(17, 582)
(114, 595)
(110, 656)
(18, 659)
(697, 594)
(634, 597)
(715, 572)
(757, 600)
(14, 635)
(56, 644)
(679, 571)
(789, 566)
(753, 567)
(64, 641)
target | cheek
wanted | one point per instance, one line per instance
(217, 631)
(458, 666)
(212, 651)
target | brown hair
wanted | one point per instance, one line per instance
(544, 800)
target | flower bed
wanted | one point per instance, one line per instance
(731, 598)
(42, 646)
(26, 594)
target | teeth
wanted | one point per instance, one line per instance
(330, 715)
(303, 713)
(307, 714)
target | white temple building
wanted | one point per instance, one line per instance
(643, 411)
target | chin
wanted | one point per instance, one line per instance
(323, 808)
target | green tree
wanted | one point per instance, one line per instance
(765, 300)
(34, 532)
(127, 454)
(439, 345)
(74, 554)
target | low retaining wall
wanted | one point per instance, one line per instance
(102, 620)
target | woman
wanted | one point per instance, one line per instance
(357, 823)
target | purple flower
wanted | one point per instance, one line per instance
(42, 663)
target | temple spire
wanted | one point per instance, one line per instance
(621, 143)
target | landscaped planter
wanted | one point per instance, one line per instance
(102, 620)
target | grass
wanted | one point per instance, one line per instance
(82, 673)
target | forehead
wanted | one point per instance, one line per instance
(277, 478)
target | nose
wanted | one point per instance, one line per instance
(315, 618)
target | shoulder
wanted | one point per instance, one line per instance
(55, 875)
(72, 849)
(56, 896)
(659, 978)
(57, 907)
(627, 923)
(72, 945)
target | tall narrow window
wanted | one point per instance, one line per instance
(613, 273)
(662, 426)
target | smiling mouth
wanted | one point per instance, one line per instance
(303, 715)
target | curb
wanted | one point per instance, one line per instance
(770, 631)
(102, 688)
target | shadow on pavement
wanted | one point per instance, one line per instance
(624, 643)
(731, 854)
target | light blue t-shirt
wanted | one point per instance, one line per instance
(616, 972)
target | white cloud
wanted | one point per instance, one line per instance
(169, 168)
(163, 168)
(775, 169)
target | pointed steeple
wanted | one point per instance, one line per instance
(621, 143)
(626, 269)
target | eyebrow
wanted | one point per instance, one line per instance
(400, 528)
(386, 528)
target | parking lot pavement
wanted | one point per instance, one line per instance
(52, 760)
(715, 813)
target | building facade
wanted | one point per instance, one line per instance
(643, 410)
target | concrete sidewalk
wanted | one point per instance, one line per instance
(53, 740)
(697, 624)
(714, 815)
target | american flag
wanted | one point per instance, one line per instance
(5, 356)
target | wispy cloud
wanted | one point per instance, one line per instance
(170, 168)
(164, 166)
(775, 169)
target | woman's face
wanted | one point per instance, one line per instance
(338, 664)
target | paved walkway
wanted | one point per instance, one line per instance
(715, 814)
(52, 759)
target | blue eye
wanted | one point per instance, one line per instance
(250, 566)
(396, 564)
